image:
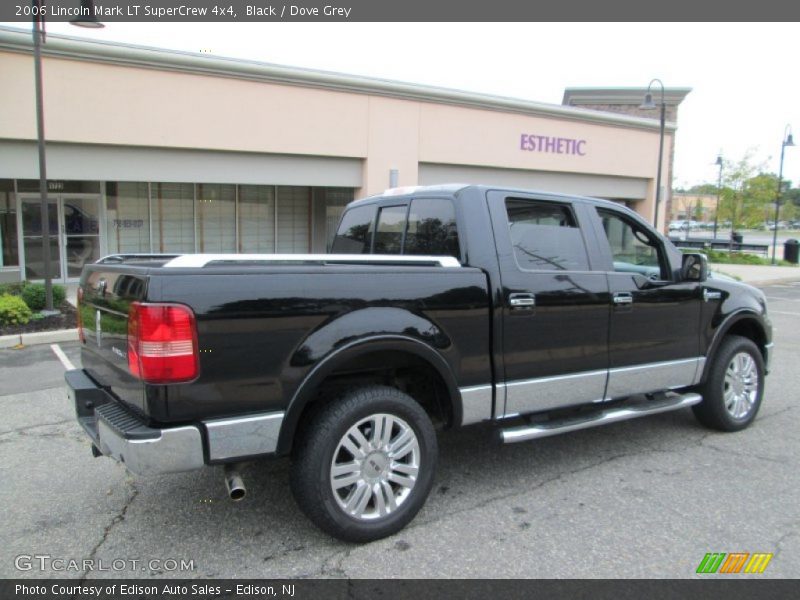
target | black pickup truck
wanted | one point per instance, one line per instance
(438, 307)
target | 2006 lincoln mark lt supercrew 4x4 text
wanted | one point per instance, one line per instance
(438, 307)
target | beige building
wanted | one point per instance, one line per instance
(698, 207)
(152, 150)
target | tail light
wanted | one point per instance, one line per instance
(162, 343)
(81, 335)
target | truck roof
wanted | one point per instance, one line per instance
(452, 189)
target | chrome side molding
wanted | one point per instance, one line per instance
(594, 419)
(249, 435)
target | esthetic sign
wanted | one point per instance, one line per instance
(552, 145)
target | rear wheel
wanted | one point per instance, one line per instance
(734, 387)
(364, 466)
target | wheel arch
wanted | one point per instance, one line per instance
(744, 323)
(387, 347)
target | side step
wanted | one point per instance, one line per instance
(603, 417)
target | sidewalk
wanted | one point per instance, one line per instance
(757, 274)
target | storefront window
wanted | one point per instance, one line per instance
(173, 217)
(294, 219)
(256, 219)
(127, 218)
(8, 225)
(216, 218)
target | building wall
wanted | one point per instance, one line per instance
(90, 103)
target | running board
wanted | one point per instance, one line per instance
(611, 415)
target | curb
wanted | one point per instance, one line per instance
(40, 337)
(767, 282)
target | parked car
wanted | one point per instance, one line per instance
(440, 307)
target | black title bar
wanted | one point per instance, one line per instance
(197, 11)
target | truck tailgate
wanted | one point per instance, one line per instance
(106, 298)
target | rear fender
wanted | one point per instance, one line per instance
(367, 331)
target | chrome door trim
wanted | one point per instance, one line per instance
(545, 393)
(653, 377)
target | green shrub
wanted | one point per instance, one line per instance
(34, 296)
(13, 310)
(12, 289)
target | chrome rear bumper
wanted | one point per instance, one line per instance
(144, 450)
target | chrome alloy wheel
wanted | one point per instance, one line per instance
(741, 385)
(375, 467)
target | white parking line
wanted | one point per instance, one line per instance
(62, 357)
(774, 299)
(783, 312)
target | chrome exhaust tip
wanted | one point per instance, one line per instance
(234, 483)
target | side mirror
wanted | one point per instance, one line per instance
(694, 267)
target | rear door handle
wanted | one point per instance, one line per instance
(522, 300)
(623, 298)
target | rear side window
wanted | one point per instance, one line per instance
(432, 228)
(389, 235)
(355, 231)
(545, 236)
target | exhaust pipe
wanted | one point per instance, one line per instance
(234, 483)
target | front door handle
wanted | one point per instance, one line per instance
(522, 300)
(623, 298)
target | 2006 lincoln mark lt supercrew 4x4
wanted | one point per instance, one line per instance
(438, 307)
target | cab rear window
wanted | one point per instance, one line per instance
(425, 226)
(355, 231)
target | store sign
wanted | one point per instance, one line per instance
(552, 145)
(128, 223)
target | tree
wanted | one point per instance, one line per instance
(746, 191)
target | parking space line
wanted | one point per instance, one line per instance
(62, 357)
(783, 312)
(774, 299)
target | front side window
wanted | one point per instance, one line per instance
(355, 231)
(432, 228)
(633, 249)
(545, 236)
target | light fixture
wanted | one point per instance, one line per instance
(87, 17)
(647, 103)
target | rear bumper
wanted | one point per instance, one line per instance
(144, 450)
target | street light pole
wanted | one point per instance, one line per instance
(45, 207)
(786, 141)
(719, 193)
(86, 19)
(648, 104)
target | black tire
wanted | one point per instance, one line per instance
(321, 438)
(712, 411)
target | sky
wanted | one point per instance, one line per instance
(744, 76)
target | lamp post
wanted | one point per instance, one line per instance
(648, 104)
(86, 20)
(787, 140)
(719, 192)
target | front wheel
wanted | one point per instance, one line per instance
(363, 467)
(734, 387)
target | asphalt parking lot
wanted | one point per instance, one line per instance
(645, 498)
